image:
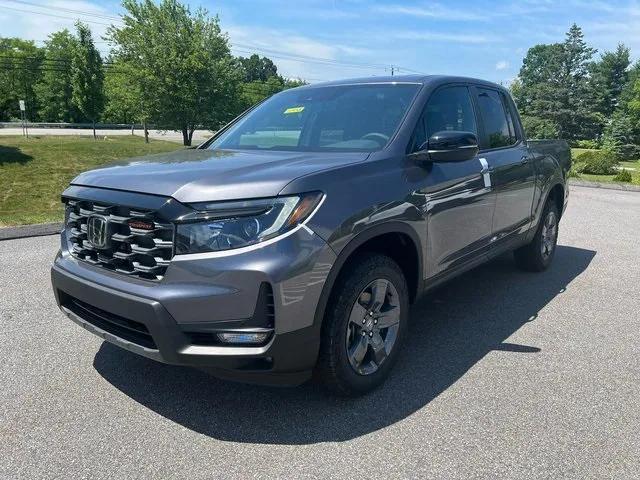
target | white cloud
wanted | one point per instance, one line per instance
(431, 11)
(315, 60)
(502, 65)
(442, 12)
(471, 38)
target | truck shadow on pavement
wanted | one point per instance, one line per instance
(451, 330)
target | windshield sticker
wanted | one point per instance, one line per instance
(293, 110)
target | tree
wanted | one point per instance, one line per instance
(258, 68)
(87, 77)
(54, 89)
(609, 77)
(20, 66)
(554, 85)
(539, 128)
(293, 83)
(577, 116)
(257, 90)
(125, 102)
(622, 136)
(122, 96)
(536, 88)
(634, 99)
(181, 64)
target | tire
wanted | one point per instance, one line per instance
(538, 254)
(352, 359)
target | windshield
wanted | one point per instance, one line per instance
(334, 118)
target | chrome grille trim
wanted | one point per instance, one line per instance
(131, 251)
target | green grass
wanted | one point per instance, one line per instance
(577, 151)
(632, 165)
(34, 171)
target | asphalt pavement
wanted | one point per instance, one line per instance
(505, 374)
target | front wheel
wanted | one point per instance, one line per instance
(364, 326)
(537, 255)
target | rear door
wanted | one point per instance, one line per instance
(458, 204)
(511, 170)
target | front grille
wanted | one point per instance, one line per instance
(143, 253)
(130, 330)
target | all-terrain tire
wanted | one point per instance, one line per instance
(334, 368)
(538, 254)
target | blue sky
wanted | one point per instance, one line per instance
(331, 39)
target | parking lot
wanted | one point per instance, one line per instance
(505, 375)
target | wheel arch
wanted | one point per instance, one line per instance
(380, 238)
(556, 192)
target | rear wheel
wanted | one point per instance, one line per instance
(364, 326)
(537, 255)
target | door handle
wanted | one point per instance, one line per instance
(485, 172)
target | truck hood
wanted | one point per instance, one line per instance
(211, 175)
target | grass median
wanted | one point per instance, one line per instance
(34, 171)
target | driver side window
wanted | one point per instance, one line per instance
(448, 108)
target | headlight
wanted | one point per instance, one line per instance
(226, 225)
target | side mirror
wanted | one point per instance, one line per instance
(449, 146)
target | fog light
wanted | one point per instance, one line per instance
(243, 337)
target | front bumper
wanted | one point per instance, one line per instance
(207, 295)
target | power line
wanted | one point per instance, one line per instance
(54, 15)
(68, 10)
(310, 58)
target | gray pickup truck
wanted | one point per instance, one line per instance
(294, 241)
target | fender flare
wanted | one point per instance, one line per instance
(344, 255)
(553, 183)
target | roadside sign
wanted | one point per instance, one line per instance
(25, 130)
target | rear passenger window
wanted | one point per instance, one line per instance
(449, 108)
(496, 118)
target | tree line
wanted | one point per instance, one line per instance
(168, 66)
(563, 91)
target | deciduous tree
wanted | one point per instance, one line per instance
(87, 77)
(258, 68)
(181, 63)
(54, 89)
(20, 67)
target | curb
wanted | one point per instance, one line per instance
(606, 186)
(24, 231)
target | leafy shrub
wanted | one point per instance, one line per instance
(623, 176)
(629, 152)
(597, 162)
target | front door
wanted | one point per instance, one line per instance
(458, 205)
